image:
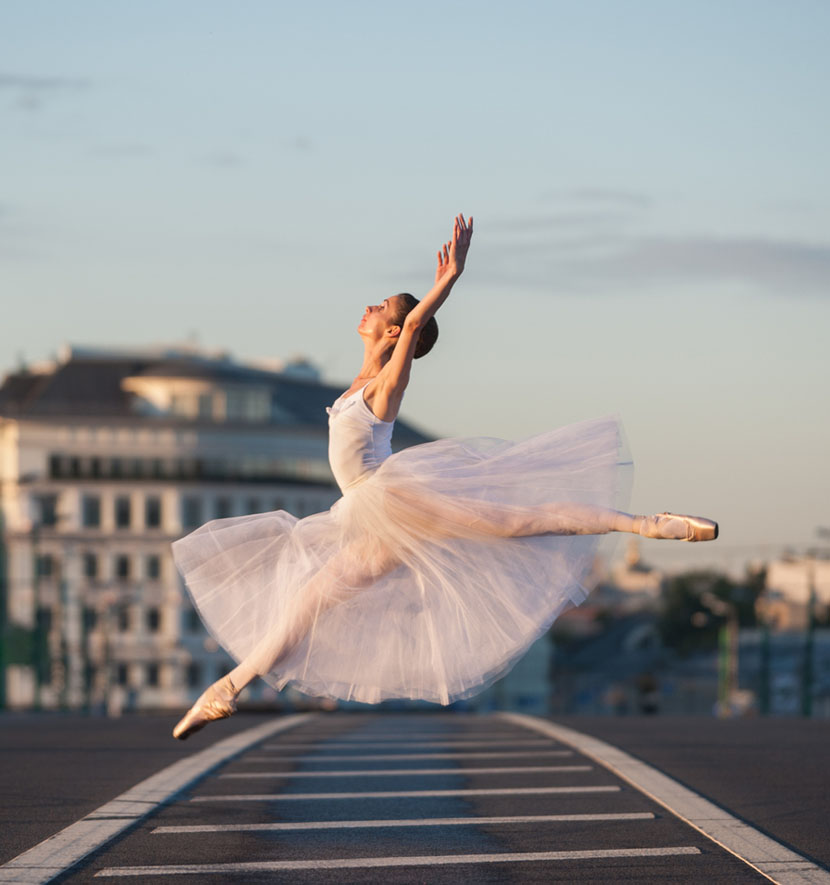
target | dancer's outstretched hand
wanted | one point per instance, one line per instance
(452, 256)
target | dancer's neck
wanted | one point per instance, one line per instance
(376, 354)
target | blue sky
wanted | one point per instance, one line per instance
(648, 181)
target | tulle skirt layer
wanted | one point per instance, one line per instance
(415, 584)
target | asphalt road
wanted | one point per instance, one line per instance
(770, 772)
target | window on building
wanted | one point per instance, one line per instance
(123, 619)
(152, 674)
(46, 509)
(206, 406)
(279, 503)
(90, 566)
(194, 622)
(116, 468)
(191, 512)
(153, 619)
(152, 567)
(194, 674)
(95, 467)
(123, 512)
(90, 618)
(224, 507)
(122, 674)
(122, 566)
(45, 565)
(152, 511)
(91, 511)
(252, 505)
(43, 620)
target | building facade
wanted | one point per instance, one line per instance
(106, 457)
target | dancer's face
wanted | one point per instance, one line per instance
(379, 318)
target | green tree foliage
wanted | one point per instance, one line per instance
(685, 622)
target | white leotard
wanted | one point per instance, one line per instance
(359, 442)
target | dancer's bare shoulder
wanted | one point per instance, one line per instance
(383, 398)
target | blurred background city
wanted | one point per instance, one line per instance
(109, 456)
(195, 195)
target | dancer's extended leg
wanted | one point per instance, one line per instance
(477, 519)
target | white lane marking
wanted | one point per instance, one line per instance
(386, 757)
(409, 772)
(402, 794)
(63, 850)
(429, 735)
(775, 861)
(340, 745)
(408, 822)
(356, 863)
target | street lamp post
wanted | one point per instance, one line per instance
(728, 635)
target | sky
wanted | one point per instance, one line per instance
(648, 181)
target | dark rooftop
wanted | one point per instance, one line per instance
(87, 385)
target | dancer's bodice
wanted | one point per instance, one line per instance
(359, 441)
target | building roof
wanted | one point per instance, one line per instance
(90, 385)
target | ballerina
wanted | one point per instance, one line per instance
(439, 566)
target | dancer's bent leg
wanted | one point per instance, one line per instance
(350, 571)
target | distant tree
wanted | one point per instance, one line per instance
(686, 624)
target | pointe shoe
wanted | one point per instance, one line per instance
(676, 527)
(218, 702)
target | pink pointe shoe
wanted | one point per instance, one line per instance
(676, 527)
(218, 702)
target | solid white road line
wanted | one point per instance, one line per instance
(66, 848)
(370, 757)
(444, 745)
(402, 794)
(775, 861)
(408, 822)
(408, 772)
(357, 863)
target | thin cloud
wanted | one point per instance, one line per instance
(30, 93)
(560, 221)
(600, 196)
(779, 267)
(224, 159)
(769, 265)
(122, 151)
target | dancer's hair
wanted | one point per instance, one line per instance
(429, 334)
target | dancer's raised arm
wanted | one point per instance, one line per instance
(393, 379)
(452, 257)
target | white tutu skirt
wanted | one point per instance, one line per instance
(409, 587)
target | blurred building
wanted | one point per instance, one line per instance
(106, 457)
(790, 584)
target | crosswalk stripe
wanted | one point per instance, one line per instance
(404, 772)
(404, 794)
(344, 745)
(355, 863)
(386, 757)
(416, 822)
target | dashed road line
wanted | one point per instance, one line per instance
(404, 794)
(407, 822)
(774, 860)
(387, 757)
(69, 846)
(356, 863)
(443, 745)
(408, 772)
